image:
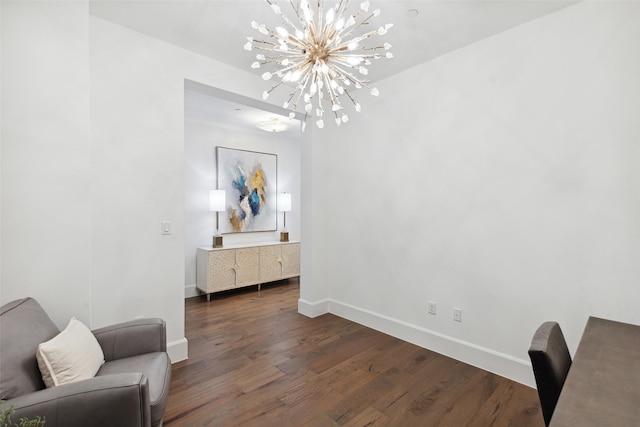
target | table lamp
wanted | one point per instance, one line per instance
(284, 205)
(217, 204)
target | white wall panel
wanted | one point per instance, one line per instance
(46, 152)
(502, 179)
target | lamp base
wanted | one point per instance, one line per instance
(217, 241)
(284, 236)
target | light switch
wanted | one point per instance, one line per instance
(166, 228)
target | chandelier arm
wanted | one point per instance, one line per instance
(280, 53)
(301, 87)
(352, 78)
(305, 81)
(338, 112)
(358, 25)
(355, 103)
(296, 10)
(333, 97)
(327, 32)
(266, 42)
(344, 58)
(339, 65)
(295, 42)
(337, 73)
(320, 8)
(276, 36)
(268, 92)
(302, 68)
(270, 60)
(330, 30)
(320, 96)
(345, 45)
(288, 22)
(357, 14)
(306, 70)
(291, 67)
(313, 34)
(307, 24)
(277, 59)
(292, 95)
(341, 7)
(372, 48)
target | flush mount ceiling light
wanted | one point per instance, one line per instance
(322, 53)
(273, 125)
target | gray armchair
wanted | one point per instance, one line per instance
(130, 389)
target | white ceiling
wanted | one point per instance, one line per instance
(218, 28)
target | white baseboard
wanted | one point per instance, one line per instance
(515, 369)
(191, 291)
(178, 350)
(310, 309)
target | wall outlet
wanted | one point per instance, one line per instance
(432, 307)
(457, 314)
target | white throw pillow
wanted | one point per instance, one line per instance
(72, 355)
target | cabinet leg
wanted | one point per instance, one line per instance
(208, 297)
(259, 284)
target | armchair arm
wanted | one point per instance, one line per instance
(132, 338)
(113, 400)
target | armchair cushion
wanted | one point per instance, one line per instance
(72, 355)
(152, 365)
(19, 372)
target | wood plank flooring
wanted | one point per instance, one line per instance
(254, 361)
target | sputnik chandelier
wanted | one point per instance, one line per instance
(323, 55)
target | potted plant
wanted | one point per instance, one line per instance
(5, 418)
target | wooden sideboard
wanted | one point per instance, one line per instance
(239, 265)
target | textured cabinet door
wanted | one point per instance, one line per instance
(290, 260)
(220, 269)
(270, 263)
(222, 273)
(247, 266)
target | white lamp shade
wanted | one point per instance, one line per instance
(217, 200)
(284, 202)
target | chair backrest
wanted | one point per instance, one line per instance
(23, 325)
(551, 361)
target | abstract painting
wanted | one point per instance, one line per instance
(249, 179)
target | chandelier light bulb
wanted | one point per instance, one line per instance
(323, 51)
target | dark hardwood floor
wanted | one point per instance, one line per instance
(254, 361)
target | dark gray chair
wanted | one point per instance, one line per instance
(551, 361)
(129, 390)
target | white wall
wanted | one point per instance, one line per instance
(317, 160)
(92, 162)
(137, 102)
(202, 135)
(501, 178)
(137, 140)
(46, 151)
